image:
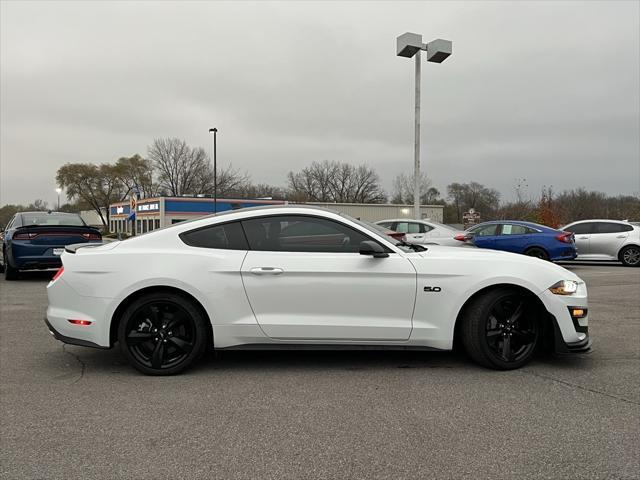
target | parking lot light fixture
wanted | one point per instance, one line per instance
(410, 45)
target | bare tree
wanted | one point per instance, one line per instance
(136, 174)
(336, 182)
(403, 187)
(183, 170)
(97, 186)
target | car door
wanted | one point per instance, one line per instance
(512, 238)
(305, 280)
(582, 232)
(485, 236)
(607, 240)
(414, 232)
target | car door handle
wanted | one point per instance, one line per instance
(583, 238)
(621, 236)
(267, 271)
(418, 236)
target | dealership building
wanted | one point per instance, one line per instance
(158, 212)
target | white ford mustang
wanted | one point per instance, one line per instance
(299, 277)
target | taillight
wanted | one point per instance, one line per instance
(84, 323)
(24, 236)
(462, 237)
(58, 273)
(565, 237)
(92, 236)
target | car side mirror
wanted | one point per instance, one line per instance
(374, 249)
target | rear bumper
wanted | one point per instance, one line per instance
(37, 263)
(71, 341)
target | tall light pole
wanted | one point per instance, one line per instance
(409, 45)
(58, 191)
(215, 171)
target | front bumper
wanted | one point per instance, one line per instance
(560, 346)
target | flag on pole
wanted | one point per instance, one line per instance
(132, 208)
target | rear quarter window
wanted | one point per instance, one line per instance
(228, 236)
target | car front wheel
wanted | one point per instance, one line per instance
(630, 256)
(162, 333)
(500, 329)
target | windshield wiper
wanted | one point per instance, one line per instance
(412, 246)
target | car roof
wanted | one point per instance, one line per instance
(624, 222)
(516, 222)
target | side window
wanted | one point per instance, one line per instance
(508, 229)
(301, 234)
(606, 227)
(411, 227)
(228, 236)
(582, 228)
(486, 231)
(386, 225)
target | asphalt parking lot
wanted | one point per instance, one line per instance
(72, 412)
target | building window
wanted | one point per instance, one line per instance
(157, 223)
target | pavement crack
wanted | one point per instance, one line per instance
(78, 359)
(581, 387)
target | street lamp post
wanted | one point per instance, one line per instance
(409, 45)
(215, 171)
(58, 191)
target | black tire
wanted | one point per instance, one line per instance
(500, 329)
(630, 256)
(10, 273)
(540, 253)
(162, 333)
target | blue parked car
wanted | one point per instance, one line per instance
(35, 240)
(522, 237)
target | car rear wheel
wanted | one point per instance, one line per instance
(538, 253)
(10, 273)
(162, 333)
(500, 329)
(630, 256)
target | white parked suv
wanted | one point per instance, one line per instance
(607, 240)
(423, 232)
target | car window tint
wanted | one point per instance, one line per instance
(229, 236)
(301, 234)
(425, 228)
(508, 229)
(44, 218)
(582, 228)
(486, 231)
(410, 227)
(608, 227)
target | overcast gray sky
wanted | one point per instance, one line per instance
(547, 91)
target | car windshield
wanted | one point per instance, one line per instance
(378, 230)
(43, 218)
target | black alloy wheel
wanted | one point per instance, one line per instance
(501, 329)
(630, 256)
(162, 334)
(538, 253)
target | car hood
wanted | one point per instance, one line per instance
(469, 261)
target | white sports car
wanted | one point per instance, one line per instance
(298, 277)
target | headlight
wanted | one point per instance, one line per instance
(564, 287)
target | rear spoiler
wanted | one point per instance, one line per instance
(73, 248)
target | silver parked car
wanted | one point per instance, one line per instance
(424, 231)
(607, 240)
